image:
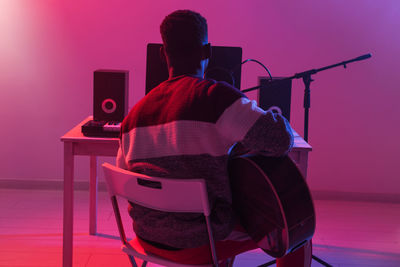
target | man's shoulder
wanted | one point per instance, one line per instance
(226, 87)
(223, 93)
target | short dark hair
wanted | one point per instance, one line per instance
(182, 32)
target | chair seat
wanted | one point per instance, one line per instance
(135, 249)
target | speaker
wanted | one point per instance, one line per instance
(275, 95)
(110, 95)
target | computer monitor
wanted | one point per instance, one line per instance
(224, 65)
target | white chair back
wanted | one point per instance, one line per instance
(164, 194)
(155, 193)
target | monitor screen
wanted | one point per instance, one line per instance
(224, 65)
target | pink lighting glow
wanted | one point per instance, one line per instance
(49, 50)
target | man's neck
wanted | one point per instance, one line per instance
(174, 72)
(194, 68)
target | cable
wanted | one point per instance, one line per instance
(247, 60)
(218, 73)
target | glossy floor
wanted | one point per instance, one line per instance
(348, 234)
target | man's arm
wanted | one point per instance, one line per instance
(271, 133)
(256, 129)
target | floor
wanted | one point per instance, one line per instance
(349, 234)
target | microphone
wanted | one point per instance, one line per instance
(366, 56)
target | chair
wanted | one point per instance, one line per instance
(170, 195)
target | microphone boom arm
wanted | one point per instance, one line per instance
(306, 76)
(314, 71)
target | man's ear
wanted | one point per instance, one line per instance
(162, 54)
(206, 51)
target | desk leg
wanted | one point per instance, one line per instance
(68, 204)
(303, 162)
(93, 196)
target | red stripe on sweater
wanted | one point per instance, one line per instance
(182, 98)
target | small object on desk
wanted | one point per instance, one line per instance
(112, 126)
(101, 128)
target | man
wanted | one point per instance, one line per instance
(183, 129)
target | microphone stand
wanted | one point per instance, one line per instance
(306, 76)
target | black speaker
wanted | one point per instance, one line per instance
(275, 95)
(110, 95)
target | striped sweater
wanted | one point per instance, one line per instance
(183, 129)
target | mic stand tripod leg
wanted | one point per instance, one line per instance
(322, 262)
(307, 103)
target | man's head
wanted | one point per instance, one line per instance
(185, 38)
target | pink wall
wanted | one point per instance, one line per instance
(49, 50)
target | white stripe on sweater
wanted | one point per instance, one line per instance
(240, 116)
(195, 137)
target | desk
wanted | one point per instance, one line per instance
(75, 143)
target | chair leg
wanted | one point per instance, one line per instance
(132, 260)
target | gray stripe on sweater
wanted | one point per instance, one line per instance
(186, 230)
